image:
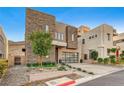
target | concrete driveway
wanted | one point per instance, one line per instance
(96, 68)
(114, 79)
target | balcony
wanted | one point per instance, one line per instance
(59, 43)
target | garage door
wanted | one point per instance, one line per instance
(70, 57)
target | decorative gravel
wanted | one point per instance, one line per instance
(15, 76)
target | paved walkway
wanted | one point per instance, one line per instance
(15, 76)
(115, 79)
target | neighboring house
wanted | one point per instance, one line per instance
(64, 44)
(119, 41)
(99, 39)
(3, 45)
(16, 52)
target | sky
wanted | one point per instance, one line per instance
(12, 20)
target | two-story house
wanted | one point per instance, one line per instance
(64, 44)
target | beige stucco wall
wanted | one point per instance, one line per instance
(99, 43)
(3, 44)
(120, 38)
(15, 50)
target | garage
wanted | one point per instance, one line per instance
(70, 57)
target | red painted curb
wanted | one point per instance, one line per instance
(67, 83)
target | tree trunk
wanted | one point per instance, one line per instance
(39, 60)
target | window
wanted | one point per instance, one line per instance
(62, 36)
(56, 35)
(96, 35)
(72, 37)
(108, 36)
(59, 37)
(47, 28)
(23, 50)
(83, 41)
(90, 37)
(85, 57)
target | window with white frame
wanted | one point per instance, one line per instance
(72, 37)
(56, 35)
(62, 36)
(47, 28)
(59, 36)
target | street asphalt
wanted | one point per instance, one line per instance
(114, 79)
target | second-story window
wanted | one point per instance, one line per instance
(72, 37)
(83, 41)
(59, 36)
(56, 35)
(108, 36)
(47, 28)
(62, 36)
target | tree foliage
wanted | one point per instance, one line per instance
(94, 55)
(41, 42)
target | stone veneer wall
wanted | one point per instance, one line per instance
(69, 31)
(37, 21)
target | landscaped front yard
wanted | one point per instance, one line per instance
(37, 74)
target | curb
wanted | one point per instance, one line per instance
(86, 79)
(67, 83)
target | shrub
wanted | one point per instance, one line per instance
(70, 66)
(74, 67)
(62, 68)
(28, 65)
(35, 64)
(94, 55)
(100, 60)
(84, 71)
(63, 63)
(112, 57)
(79, 69)
(44, 64)
(91, 73)
(3, 67)
(108, 50)
(106, 60)
(122, 56)
(113, 61)
(122, 51)
(48, 64)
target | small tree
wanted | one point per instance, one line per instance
(41, 43)
(94, 55)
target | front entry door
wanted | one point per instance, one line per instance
(17, 61)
